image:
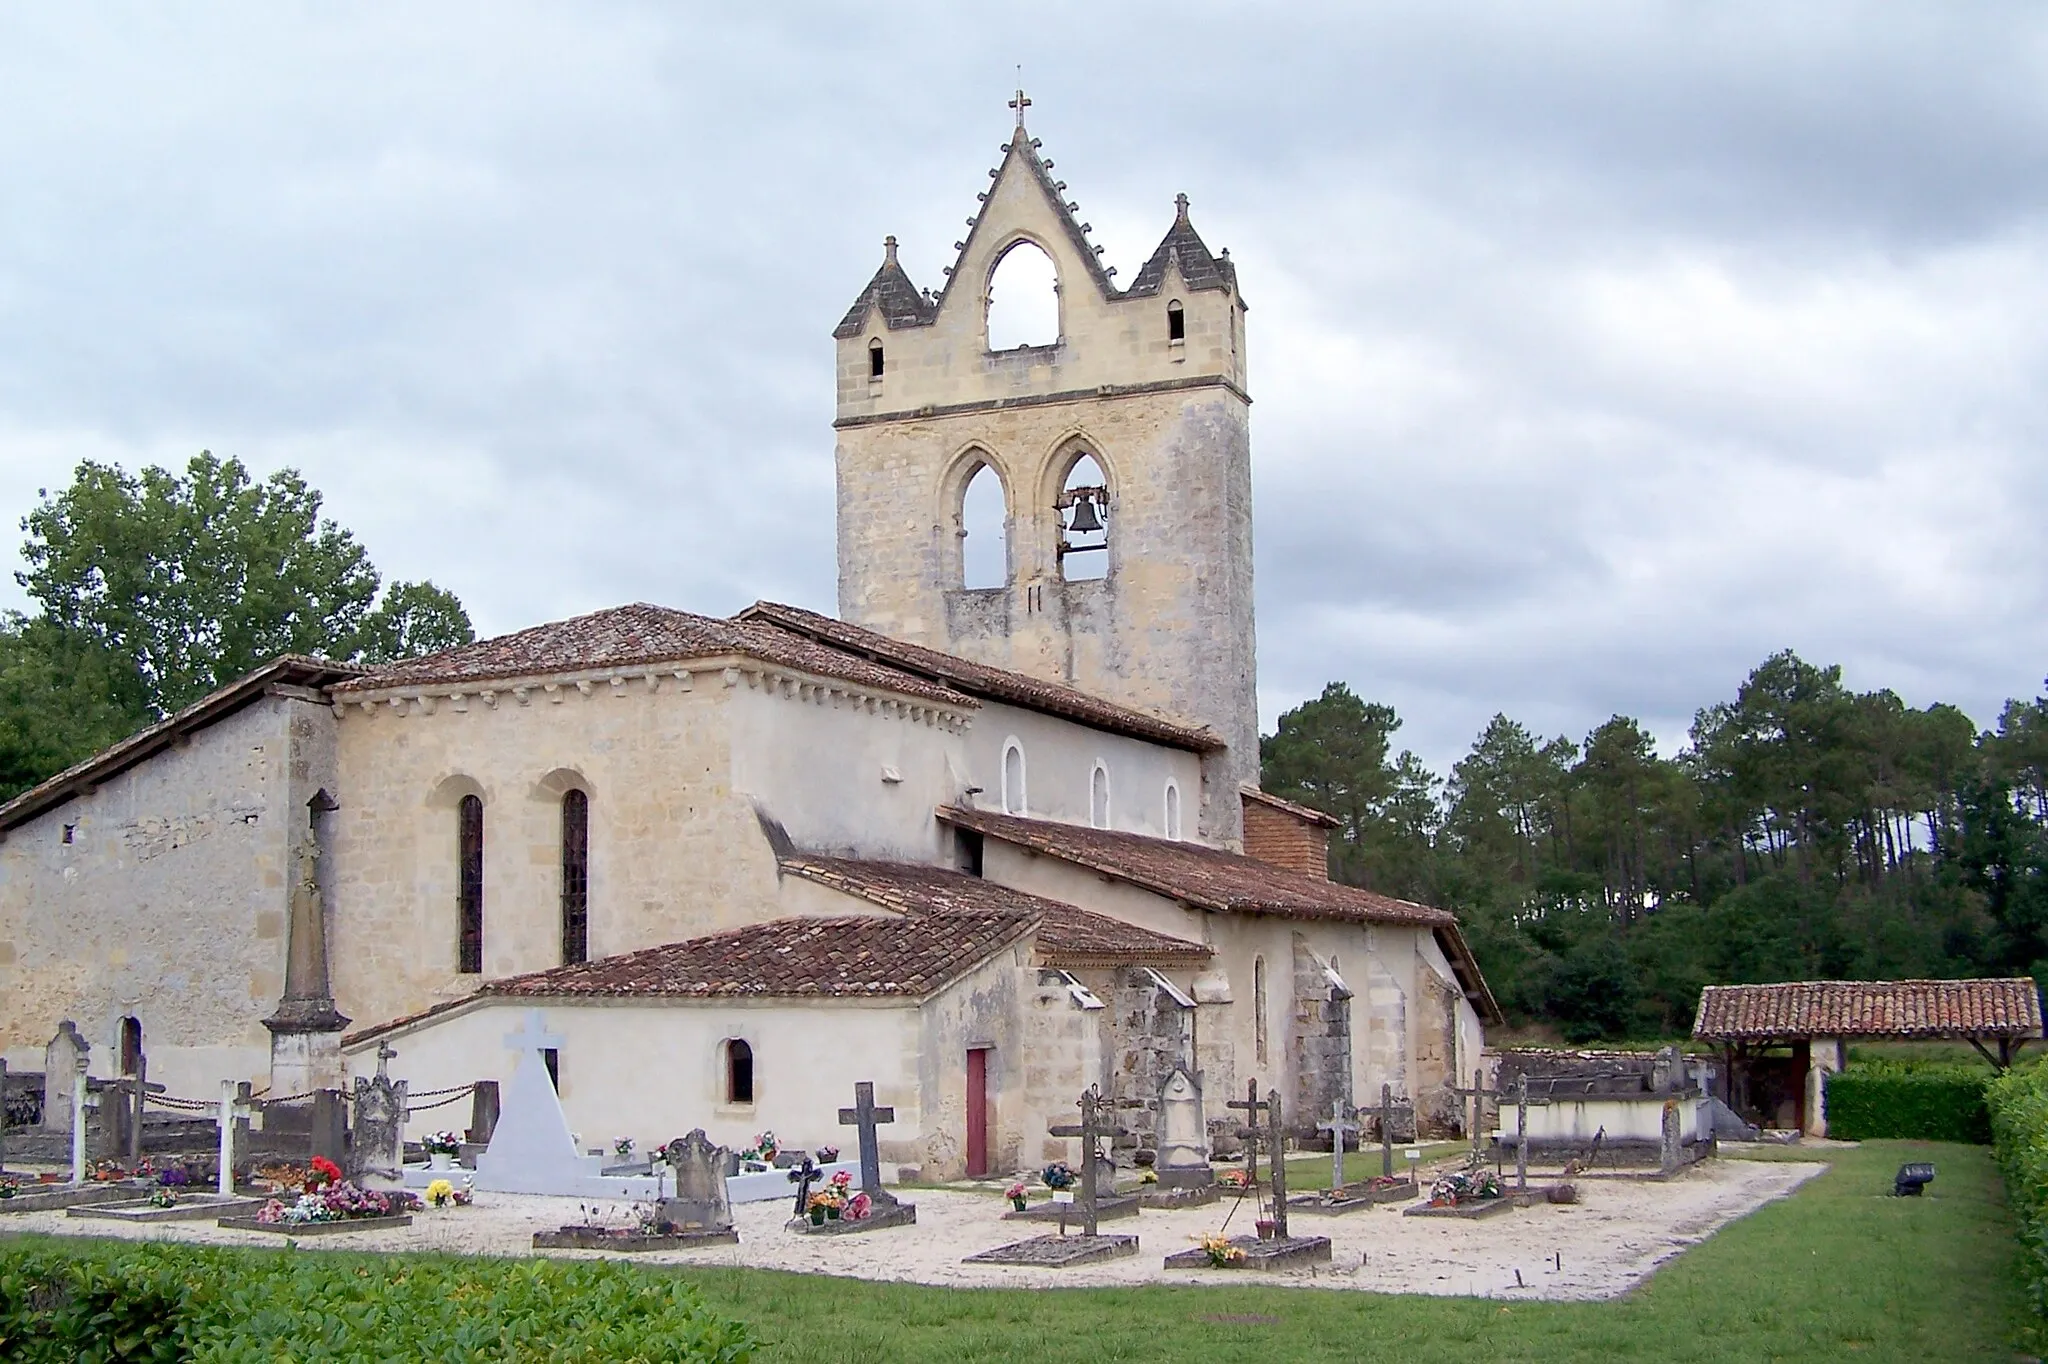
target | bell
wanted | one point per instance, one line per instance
(1085, 521)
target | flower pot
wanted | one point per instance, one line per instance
(1018, 1204)
(1266, 1229)
(817, 1217)
(832, 1214)
(440, 1160)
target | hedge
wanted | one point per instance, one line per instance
(1909, 1102)
(157, 1302)
(2019, 1138)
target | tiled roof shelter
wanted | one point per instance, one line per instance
(1988, 1009)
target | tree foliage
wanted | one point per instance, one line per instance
(154, 589)
(1805, 831)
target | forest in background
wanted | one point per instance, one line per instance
(1805, 832)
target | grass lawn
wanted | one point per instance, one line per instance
(1838, 1271)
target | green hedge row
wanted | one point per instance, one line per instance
(162, 1303)
(2019, 1141)
(1907, 1101)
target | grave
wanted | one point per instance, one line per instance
(61, 1060)
(1062, 1251)
(188, 1208)
(697, 1215)
(377, 1156)
(531, 1149)
(1098, 1200)
(1279, 1250)
(1183, 1161)
(55, 1197)
(884, 1208)
(298, 1230)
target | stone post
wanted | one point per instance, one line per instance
(135, 1124)
(329, 1126)
(78, 1121)
(227, 1138)
(3, 1115)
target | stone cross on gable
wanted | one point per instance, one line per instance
(1020, 104)
(1098, 1120)
(1339, 1126)
(865, 1116)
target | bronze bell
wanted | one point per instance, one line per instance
(1085, 521)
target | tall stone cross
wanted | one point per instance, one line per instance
(1387, 1131)
(1098, 1120)
(1276, 1152)
(1477, 1094)
(1251, 1106)
(865, 1116)
(1020, 104)
(1339, 1126)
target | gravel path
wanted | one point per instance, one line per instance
(1612, 1240)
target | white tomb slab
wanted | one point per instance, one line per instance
(531, 1150)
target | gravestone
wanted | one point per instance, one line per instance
(884, 1208)
(1274, 1248)
(60, 1063)
(531, 1148)
(1670, 1152)
(483, 1112)
(377, 1157)
(1098, 1189)
(1183, 1135)
(699, 1204)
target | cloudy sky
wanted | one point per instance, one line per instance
(1598, 350)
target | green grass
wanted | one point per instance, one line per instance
(1838, 1271)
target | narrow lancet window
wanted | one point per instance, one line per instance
(984, 531)
(469, 885)
(739, 1072)
(1013, 780)
(875, 359)
(575, 877)
(1176, 322)
(1098, 797)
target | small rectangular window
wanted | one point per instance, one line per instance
(1176, 323)
(69, 831)
(874, 360)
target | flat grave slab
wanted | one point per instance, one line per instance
(1165, 1199)
(1467, 1212)
(1289, 1253)
(1354, 1198)
(302, 1229)
(1058, 1252)
(188, 1208)
(51, 1197)
(604, 1238)
(759, 1186)
(1106, 1210)
(883, 1217)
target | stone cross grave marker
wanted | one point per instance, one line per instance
(1339, 1126)
(1098, 1120)
(803, 1175)
(1276, 1152)
(865, 1116)
(1387, 1130)
(1522, 1133)
(81, 1100)
(233, 1113)
(1478, 1094)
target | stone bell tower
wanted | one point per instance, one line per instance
(1148, 382)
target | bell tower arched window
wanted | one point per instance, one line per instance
(1083, 509)
(469, 885)
(1023, 299)
(984, 531)
(575, 877)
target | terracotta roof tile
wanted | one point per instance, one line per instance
(858, 956)
(1859, 1008)
(984, 681)
(1306, 813)
(641, 635)
(1208, 878)
(1066, 933)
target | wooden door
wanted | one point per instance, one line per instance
(977, 1112)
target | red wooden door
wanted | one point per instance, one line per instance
(977, 1112)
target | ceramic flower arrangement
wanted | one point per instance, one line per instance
(443, 1194)
(442, 1143)
(1015, 1193)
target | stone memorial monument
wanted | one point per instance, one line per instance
(1183, 1136)
(531, 1149)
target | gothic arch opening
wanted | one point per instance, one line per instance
(1083, 506)
(984, 531)
(1023, 299)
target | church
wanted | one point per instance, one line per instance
(983, 845)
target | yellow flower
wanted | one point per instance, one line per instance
(440, 1193)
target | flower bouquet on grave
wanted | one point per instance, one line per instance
(860, 1207)
(1015, 1193)
(8, 1188)
(106, 1171)
(163, 1197)
(1464, 1186)
(1222, 1254)
(321, 1173)
(623, 1148)
(1237, 1180)
(442, 1148)
(761, 1155)
(826, 1203)
(174, 1177)
(443, 1194)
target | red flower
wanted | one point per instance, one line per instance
(325, 1171)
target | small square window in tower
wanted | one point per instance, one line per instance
(1083, 511)
(1176, 322)
(875, 358)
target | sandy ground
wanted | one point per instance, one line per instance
(1618, 1234)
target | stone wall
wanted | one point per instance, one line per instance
(1151, 1034)
(162, 894)
(1319, 1044)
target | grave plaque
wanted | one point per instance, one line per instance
(1183, 1135)
(699, 1203)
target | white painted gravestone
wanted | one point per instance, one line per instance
(531, 1150)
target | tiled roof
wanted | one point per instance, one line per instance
(875, 955)
(1066, 934)
(288, 669)
(1862, 1008)
(892, 292)
(1208, 878)
(984, 681)
(641, 635)
(1307, 814)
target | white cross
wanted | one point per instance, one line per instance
(533, 1035)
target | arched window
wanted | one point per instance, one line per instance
(984, 531)
(469, 885)
(1176, 322)
(575, 877)
(131, 1045)
(1013, 778)
(1259, 1008)
(1172, 810)
(1023, 299)
(739, 1072)
(1084, 522)
(1098, 797)
(875, 358)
